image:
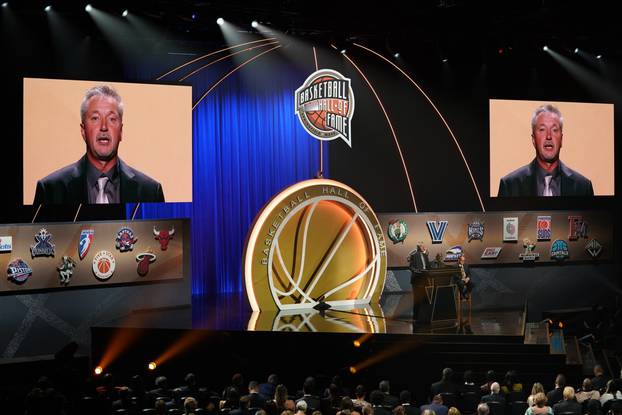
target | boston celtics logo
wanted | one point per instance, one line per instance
(397, 231)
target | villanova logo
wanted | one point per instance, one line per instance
(437, 230)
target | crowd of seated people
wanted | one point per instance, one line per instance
(496, 396)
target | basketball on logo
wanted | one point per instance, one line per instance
(316, 241)
(325, 105)
(103, 265)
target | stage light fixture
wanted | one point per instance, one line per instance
(48, 8)
(254, 24)
(343, 51)
(220, 21)
(545, 48)
(194, 16)
(356, 343)
(5, 4)
(88, 8)
(576, 50)
(353, 370)
(98, 370)
(152, 366)
(599, 56)
(445, 60)
(125, 13)
(396, 55)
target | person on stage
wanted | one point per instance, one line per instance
(418, 263)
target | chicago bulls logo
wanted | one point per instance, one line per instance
(163, 237)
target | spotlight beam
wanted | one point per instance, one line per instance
(211, 54)
(439, 114)
(225, 57)
(231, 72)
(386, 115)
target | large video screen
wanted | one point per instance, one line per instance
(558, 149)
(97, 142)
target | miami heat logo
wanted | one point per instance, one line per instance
(325, 105)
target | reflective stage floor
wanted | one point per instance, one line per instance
(393, 315)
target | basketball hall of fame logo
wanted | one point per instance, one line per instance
(325, 105)
(316, 241)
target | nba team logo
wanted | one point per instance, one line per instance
(43, 245)
(491, 252)
(475, 230)
(398, 230)
(543, 228)
(437, 230)
(528, 254)
(144, 259)
(65, 270)
(125, 239)
(594, 248)
(510, 229)
(577, 228)
(6, 243)
(86, 240)
(559, 250)
(453, 254)
(325, 105)
(18, 271)
(103, 265)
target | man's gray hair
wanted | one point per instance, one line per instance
(547, 108)
(483, 409)
(103, 90)
(301, 406)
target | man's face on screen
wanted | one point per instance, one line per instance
(547, 137)
(102, 127)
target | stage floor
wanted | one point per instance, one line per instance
(393, 315)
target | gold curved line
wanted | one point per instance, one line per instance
(386, 115)
(223, 58)
(439, 114)
(231, 72)
(210, 54)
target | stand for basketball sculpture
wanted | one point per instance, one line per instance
(317, 243)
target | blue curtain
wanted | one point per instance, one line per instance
(247, 145)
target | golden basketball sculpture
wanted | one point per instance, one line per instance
(317, 241)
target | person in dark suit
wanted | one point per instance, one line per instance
(494, 395)
(557, 394)
(445, 385)
(100, 176)
(546, 175)
(463, 278)
(569, 405)
(418, 262)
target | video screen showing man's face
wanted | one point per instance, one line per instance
(112, 142)
(546, 149)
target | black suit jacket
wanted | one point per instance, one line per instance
(522, 182)
(568, 407)
(416, 265)
(68, 185)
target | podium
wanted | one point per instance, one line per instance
(440, 305)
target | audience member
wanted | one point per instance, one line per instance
(359, 393)
(540, 407)
(308, 395)
(611, 392)
(593, 407)
(256, 400)
(436, 405)
(557, 394)
(301, 407)
(445, 385)
(453, 411)
(568, 405)
(268, 388)
(587, 392)
(190, 405)
(491, 377)
(511, 383)
(494, 395)
(535, 389)
(483, 409)
(377, 403)
(599, 381)
(389, 400)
